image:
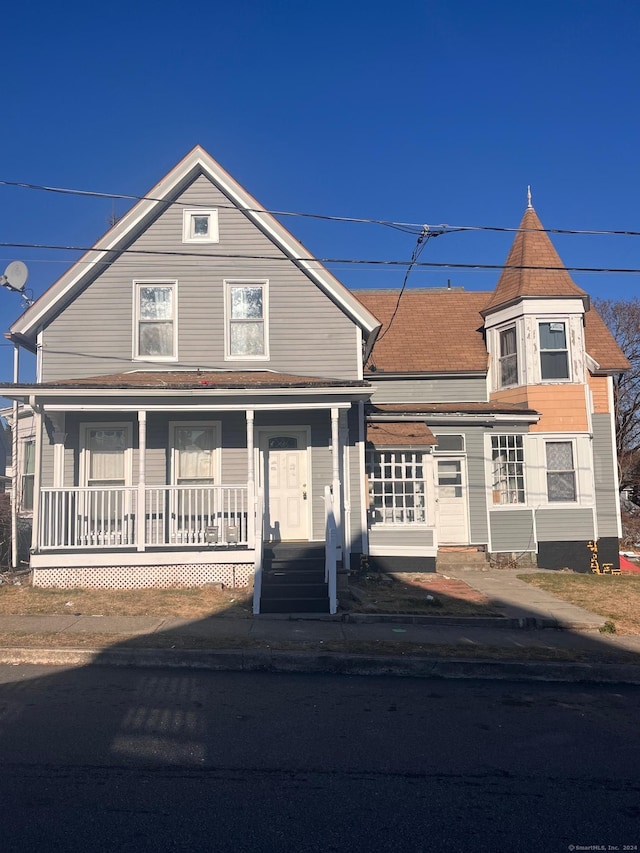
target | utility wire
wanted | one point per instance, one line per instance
(347, 261)
(423, 239)
(408, 227)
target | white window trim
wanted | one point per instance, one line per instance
(567, 336)
(241, 282)
(22, 475)
(394, 524)
(458, 452)
(557, 439)
(84, 450)
(214, 229)
(500, 507)
(139, 283)
(498, 360)
(217, 458)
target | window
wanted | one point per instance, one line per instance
(396, 487)
(107, 457)
(507, 459)
(28, 472)
(246, 316)
(200, 226)
(449, 443)
(194, 454)
(554, 356)
(155, 326)
(508, 357)
(561, 475)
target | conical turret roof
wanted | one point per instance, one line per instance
(533, 268)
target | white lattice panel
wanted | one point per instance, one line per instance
(145, 577)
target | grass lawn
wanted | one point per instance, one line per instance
(188, 603)
(616, 597)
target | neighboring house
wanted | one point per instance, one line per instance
(202, 408)
(26, 456)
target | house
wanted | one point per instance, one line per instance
(211, 405)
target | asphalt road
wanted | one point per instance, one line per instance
(98, 759)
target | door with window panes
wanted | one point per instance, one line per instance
(452, 501)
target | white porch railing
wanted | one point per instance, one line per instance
(173, 515)
(331, 550)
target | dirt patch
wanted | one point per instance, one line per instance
(418, 594)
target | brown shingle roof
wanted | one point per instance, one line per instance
(533, 267)
(489, 407)
(601, 345)
(434, 331)
(200, 379)
(400, 434)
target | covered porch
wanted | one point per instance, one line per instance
(149, 485)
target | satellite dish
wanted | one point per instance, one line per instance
(15, 276)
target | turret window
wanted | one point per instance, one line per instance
(508, 357)
(554, 355)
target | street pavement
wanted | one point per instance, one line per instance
(533, 624)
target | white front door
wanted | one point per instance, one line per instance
(286, 485)
(452, 502)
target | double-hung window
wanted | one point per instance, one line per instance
(107, 455)
(155, 333)
(194, 448)
(396, 487)
(561, 475)
(27, 476)
(554, 353)
(246, 312)
(508, 357)
(507, 460)
(200, 226)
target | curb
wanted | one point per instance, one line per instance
(236, 660)
(510, 622)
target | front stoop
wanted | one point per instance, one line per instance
(451, 557)
(293, 578)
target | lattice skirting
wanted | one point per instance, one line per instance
(145, 577)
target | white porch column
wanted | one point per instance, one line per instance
(37, 475)
(251, 482)
(142, 469)
(59, 437)
(335, 477)
(14, 466)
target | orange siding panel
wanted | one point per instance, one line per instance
(599, 386)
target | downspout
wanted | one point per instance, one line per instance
(14, 465)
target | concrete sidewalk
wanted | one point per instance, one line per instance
(505, 647)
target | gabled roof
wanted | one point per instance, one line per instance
(433, 331)
(197, 162)
(533, 268)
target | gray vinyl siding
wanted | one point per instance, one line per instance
(512, 530)
(309, 334)
(441, 390)
(405, 537)
(604, 462)
(564, 525)
(46, 463)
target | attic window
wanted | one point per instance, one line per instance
(200, 226)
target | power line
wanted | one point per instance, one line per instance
(347, 261)
(408, 227)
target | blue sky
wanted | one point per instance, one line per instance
(415, 111)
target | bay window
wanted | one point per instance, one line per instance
(396, 487)
(507, 460)
(554, 353)
(508, 359)
(561, 475)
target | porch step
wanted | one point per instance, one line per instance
(293, 579)
(460, 558)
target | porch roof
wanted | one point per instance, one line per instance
(490, 407)
(400, 434)
(201, 379)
